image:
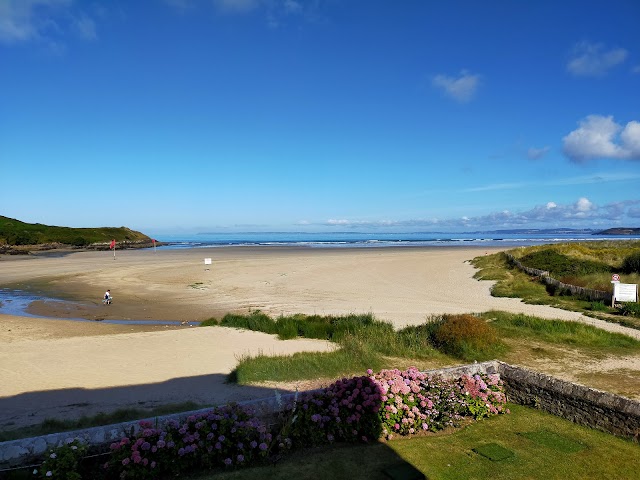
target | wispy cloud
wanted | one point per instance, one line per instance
(86, 28)
(236, 6)
(25, 20)
(275, 12)
(461, 88)
(594, 60)
(537, 153)
(636, 69)
(596, 178)
(181, 4)
(582, 213)
(601, 137)
(497, 186)
(44, 21)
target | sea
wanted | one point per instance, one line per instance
(379, 240)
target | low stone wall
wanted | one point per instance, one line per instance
(586, 406)
(580, 404)
(589, 293)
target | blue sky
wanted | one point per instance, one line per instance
(320, 115)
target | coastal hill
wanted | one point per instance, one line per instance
(18, 236)
(620, 231)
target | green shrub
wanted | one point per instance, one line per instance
(256, 321)
(631, 263)
(598, 306)
(465, 336)
(64, 461)
(631, 309)
(79, 242)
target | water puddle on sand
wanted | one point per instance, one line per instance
(17, 302)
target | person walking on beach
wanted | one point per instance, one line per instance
(107, 297)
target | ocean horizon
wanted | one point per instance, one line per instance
(379, 240)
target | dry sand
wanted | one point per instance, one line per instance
(65, 368)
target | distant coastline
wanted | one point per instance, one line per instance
(620, 231)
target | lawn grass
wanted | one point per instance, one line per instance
(544, 447)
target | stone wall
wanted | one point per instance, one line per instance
(586, 406)
(588, 293)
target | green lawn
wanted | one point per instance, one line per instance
(533, 445)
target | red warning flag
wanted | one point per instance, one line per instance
(113, 244)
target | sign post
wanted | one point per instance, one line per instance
(207, 261)
(615, 279)
(623, 292)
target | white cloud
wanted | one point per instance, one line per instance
(581, 214)
(537, 153)
(593, 60)
(636, 69)
(333, 221)
(583, 205)
(461, 88)
(596, 137)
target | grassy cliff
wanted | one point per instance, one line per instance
(16, 233)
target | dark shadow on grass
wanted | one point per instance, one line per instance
(33, 408)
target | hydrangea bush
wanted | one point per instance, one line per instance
(358, 409)
(484, 395)
(64, 461)
(414, 402)
(347, 411)
(226, 436)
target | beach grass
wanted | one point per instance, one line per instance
(441, 340)
(353, 356)
(574, 334)
(544, 447)
(513, 283)
(362, 342)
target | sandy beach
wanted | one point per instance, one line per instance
(63, 368)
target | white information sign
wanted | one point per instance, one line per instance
(207, 261)
(625, 292)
